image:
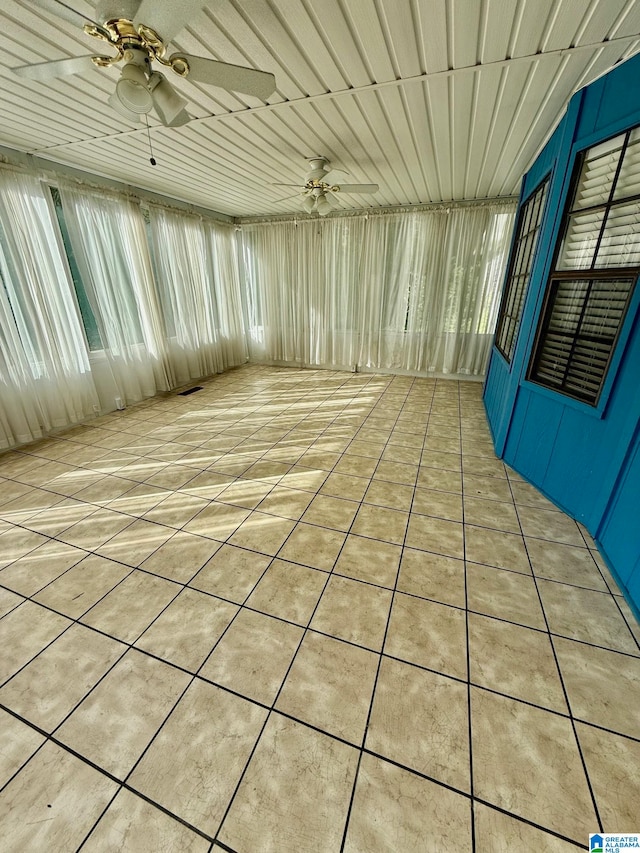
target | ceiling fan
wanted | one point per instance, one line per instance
(139, 31)
(319, 194)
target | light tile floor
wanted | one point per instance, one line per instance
(305, 611)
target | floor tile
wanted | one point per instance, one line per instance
(17, 542)
(432, 576)
(48, 688)
(24, 632)
(588, 674)
(285, 502)
(262, 532)
(496, 548)
(131, 607)
(51, 522)
(176, 510)
(137, 542)
(564, 563)
(92, 532)
(526, 760)
(439, 504)
(549, 524)
(391, 495)
(353, 611)
(188, 629)
(329, 686)
(504, 595)
(344, 486)
(288, 591)
(253, 656)
(384, 814)
(116, 721)
(436, 534)
(419, 719)
(355, 466)
(497, 515)
(487, 488)
(41, 566)
(18, 742)
(377, 522)
(295, 793)
(428, 634)
(396, 472)
(53, 802)
(181, 556)
(313, 546)
(196, 761)
(145, 828)
(217, 521)
(483, 466)
(369, 560)
(78, 589)
(496, 832)
(440, 460)
(231, 573)
(613, 764)
(441, 480)
(566, 608)
(514, 660)
(246, 493)
(524, 494)
(327, 511)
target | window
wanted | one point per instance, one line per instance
(519, 270)
(597, 264)
(86, 312)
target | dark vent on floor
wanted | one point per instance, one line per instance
(190, 391)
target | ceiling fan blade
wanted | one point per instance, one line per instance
(234, 78)
(358, 188)
(167, 18)
(63, 10)
(287, 198)
(287, 185)
(44, 71)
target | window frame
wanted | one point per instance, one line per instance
(543, 186)
(598, 407)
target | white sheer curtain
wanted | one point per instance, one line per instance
(197, 273)
(45, 377)
(414, 291)
(299, 285)
(109, 241)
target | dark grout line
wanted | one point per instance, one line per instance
(564, 690)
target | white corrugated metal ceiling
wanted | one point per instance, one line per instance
(433, 100)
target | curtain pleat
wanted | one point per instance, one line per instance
(197, 274)
(109, 241)
(415, 291)
(45, 376)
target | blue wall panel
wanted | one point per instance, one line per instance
(620, 535)
(579, 456)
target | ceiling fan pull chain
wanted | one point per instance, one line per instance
(152, 159)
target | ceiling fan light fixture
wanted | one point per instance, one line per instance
(132, 90)
(168, 104)
(115, 103)
(309, 203)
(323, 206)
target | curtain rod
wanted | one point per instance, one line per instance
(31, 164)
(437, 207)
